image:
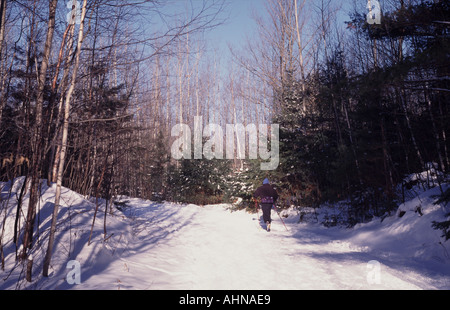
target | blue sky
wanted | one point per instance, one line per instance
(240, 22)
(239, 25)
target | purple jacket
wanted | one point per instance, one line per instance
(265, 192)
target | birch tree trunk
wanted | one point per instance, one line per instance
(57, 148)
(36, 137)
(300, 50)
(51, 240)
(2, 37)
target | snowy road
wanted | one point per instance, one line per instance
(192, 247)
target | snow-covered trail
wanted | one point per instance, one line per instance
(176, 247)
(192, 247)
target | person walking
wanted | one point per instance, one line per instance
(268, 196)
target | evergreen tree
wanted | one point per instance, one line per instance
(198, 181)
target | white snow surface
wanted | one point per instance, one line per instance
(186, 247)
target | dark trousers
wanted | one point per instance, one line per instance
(266, 209)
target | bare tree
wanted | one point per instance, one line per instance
(51, 240)
(36, 138)
(2, 37)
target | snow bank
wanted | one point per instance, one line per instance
(409, 231)
(406, 239)
(71, 241)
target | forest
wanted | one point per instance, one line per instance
(91, 90)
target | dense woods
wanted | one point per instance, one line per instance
(90, 91)
(359, 107)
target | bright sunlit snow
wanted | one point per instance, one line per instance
(172, 246)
